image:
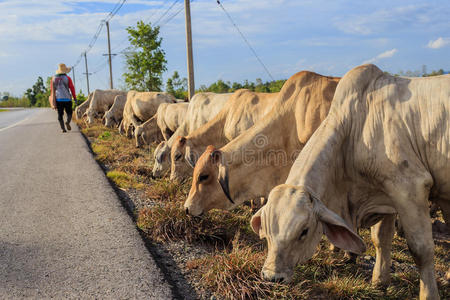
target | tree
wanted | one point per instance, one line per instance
(219, 87)
(177, 86)
(434, 73)
(145, 60)
(37, 93)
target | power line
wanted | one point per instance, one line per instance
(155, 10)
(167, 10)
(245, 40)
(113, 12)
(172, 16)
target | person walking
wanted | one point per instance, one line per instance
(63, 91)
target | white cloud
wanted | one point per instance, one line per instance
(394, 19)
(385, 54)
(439, 43)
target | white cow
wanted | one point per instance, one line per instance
(383, 149)
(202, 108)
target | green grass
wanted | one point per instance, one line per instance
(2, 109)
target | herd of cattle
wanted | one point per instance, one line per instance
(330, 155)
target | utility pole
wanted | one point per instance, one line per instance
(109, 56)
(87, 72)
(74, 86)
(190, 60)
(73, 76)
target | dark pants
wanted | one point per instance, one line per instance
(61, 106)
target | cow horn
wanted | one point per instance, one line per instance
(223, 180)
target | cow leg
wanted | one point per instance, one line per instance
(411, 201)
(382, 234)
(121, 127)
(445, 208)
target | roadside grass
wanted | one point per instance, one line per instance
(2, 109)
(232, 268)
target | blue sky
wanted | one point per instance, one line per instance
(326, 36)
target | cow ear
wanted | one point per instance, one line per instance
(337, 230)
(216, 156)
(256, 223)
(190, 157)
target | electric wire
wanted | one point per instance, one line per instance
(245, 39)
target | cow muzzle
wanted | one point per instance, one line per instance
(280, 277)
(192, 211)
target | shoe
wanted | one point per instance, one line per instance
(68, 126)
(63, 131)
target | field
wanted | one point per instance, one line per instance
(220, 257)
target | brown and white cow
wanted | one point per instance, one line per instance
(243, 110)
(140, 107)
(202, 108)
(114, 115)
(252, 164)
(170, 117)
(101, 102)
(80, 110)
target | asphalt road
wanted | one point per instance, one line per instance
(15, 115)
(63, 231)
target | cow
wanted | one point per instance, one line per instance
(202, 108)
(80, 110)
(260, 158)
(114, 115)
(170, 117)
(140, 107)
(383, 149)
(243, 110)
(148, 132)
(101, 102)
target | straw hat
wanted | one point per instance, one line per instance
(62, 69)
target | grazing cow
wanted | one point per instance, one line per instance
(80, 110)
(140, 107)
(101, 102)
(170, 117)
(383, 149)
(243, 110)
(148, 132)
(114, 115)
(252, 164)
(202, 108)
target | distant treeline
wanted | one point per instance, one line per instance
(36, 96)
(221, 86)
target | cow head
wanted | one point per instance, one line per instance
(109, 119)
(179, 168)
(147, 133)
(139, 136)
(162, 162)
(293, 221)
(209, 184)
(91, 115)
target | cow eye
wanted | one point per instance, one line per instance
(178, 156)
(203, 177)
(304, 232)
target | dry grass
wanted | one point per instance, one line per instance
(232, 270)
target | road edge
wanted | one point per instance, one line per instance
(158, 259)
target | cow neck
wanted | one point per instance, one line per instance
(261, 158)
(181, 131)
(320, 165)
(210, 133)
